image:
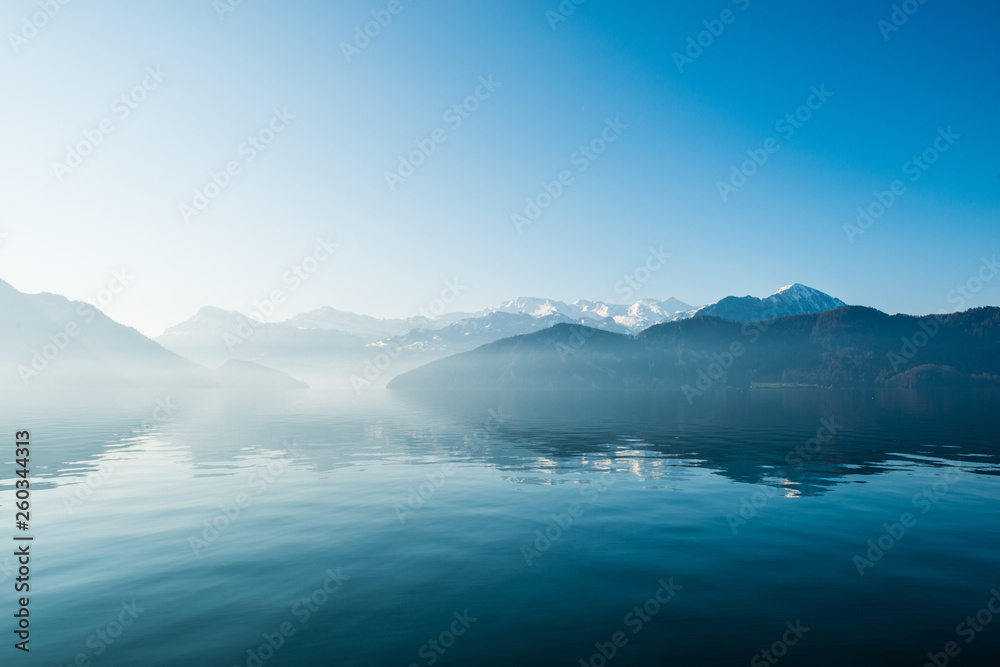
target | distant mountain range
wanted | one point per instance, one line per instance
(845, 347)
(328, 343)
(49, 342)
(326, 347)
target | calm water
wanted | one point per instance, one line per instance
(541, 523)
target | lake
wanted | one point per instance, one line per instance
(791, 526)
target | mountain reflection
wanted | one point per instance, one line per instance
(800, 441)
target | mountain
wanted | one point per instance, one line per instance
(46, 340)
(472, 332)
(248, 375)
(634, 318)
(324, 343)
(214, 336)
(794, 299)
(848, 346)
(365, 327)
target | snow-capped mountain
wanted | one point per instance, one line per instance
(633, 318)
(796, 299)
(314, 344)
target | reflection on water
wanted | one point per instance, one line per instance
(546, 518)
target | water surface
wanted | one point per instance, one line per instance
(367, 526)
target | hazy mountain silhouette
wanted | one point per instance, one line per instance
(46, 340)
(849, 346)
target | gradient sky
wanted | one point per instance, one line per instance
(324, 175)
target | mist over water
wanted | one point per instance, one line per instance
(497, 529)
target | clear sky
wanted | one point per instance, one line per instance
(886, 96)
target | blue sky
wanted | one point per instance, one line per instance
(656, 185)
